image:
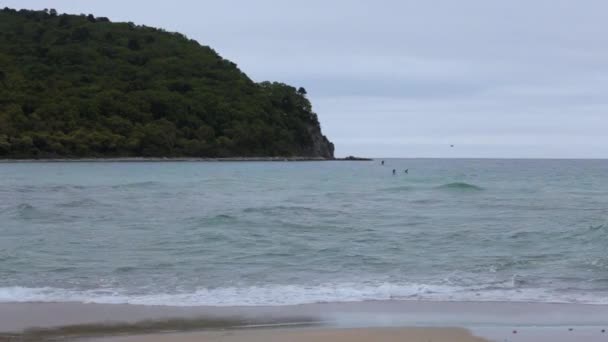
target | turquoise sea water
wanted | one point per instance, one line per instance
(248, 233)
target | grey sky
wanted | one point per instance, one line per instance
(408, 78)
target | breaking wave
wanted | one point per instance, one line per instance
(277, 295)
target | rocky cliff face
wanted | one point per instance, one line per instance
(321, 146)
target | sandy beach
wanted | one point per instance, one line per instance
(356, 321)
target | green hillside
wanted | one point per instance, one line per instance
(81, 86)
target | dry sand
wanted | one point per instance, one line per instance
(313, 335)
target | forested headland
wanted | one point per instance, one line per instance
(75, 86)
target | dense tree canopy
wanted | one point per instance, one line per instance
(81, 86)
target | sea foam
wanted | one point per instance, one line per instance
(277, 295)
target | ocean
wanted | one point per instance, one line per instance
(281, 233)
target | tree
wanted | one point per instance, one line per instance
(205, 133)
(158, 138)
(81, 34)
(23, 144)
(134, 44)
(5, 146)
(64, 20)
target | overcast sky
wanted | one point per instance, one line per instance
(395, 78)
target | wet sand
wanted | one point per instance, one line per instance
(327, 335)
(15, 317)
(498, 334)
(494, 321)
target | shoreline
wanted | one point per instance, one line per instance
(178, 159)
(79, 320)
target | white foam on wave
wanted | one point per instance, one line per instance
(275, 295)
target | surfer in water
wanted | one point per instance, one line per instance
(394, 172)
(382, 162)
(406, 171)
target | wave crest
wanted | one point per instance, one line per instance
(277, 295)
(284, 211)
(24, 211)
(80, 203)
(460, 186)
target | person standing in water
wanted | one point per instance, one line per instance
(382, 162)
(394, 172)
